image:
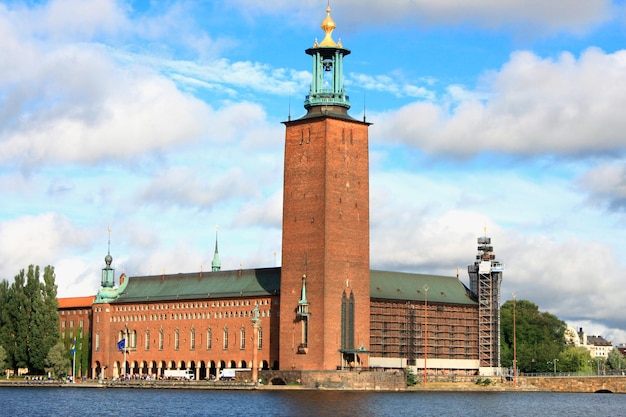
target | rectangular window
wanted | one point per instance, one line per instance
(97, 342)
(260, 341)
(192, 338)
(161, 339)
(147, 344)
(242, 338)
(209, 339)
(225, 345)
(176, 340)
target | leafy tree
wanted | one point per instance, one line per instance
(6, 325)
(539, 337)
(3, 357)
(57, 361)
(574, 359)
(29, 321)
(615, 360)
(46, 319)
(18, 308)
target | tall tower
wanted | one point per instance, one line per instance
(485, 279)
(325, 282)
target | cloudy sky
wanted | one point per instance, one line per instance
(162, 120)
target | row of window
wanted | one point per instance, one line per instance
(131, 339)
(189, 316)
(68, 312)
(81, 323)
(227, 303)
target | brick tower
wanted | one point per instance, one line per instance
(325, 281)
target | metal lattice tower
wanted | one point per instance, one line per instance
(485, 279)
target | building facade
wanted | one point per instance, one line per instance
(324, 308)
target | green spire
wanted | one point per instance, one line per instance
(303, 304)
(108, 273)
(216, 265)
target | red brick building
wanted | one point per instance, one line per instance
(323, 309)
(75, 321)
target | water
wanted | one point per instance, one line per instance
(91, 402)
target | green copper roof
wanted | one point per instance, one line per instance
(206, 285)
(404, 286)
(266, 281)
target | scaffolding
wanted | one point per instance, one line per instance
(485, 279)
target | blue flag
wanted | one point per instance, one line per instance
(121, 344)
(74, 347)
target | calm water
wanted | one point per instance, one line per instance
(25, 401)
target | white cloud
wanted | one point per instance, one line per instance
(571, 15)
(606, 185)
(41, 240)
(534, 106)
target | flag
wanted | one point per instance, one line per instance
(121, 344)
(74, 347)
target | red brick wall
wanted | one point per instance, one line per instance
(234, 314)
(326, 226)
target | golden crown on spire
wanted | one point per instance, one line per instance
(328, 25)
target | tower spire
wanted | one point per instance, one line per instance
(327, 84)
(108, 273)
(216, 265)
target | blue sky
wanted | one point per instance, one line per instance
(163, 120)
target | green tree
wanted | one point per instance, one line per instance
(539, 337)
(18, 310)
(45, 319)
(57, 362)
(615, 360)
(6, 325)
(3, 358)
(29, 320)
(574, 359)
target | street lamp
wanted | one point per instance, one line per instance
(514, 346)
(425, 330)
(554, 361)
(256, 321)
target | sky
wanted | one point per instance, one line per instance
(161, 122)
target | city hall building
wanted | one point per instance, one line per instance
(324, 309)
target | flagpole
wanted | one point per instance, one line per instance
(124, 371)
(74, 362)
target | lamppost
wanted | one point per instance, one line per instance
(425, 331)
(514, 346)
(554, 361)
(256, 321)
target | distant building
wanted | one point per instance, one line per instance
(597, 346)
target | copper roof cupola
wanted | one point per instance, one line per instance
(327, 84)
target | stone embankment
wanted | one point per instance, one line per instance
(581, 384)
